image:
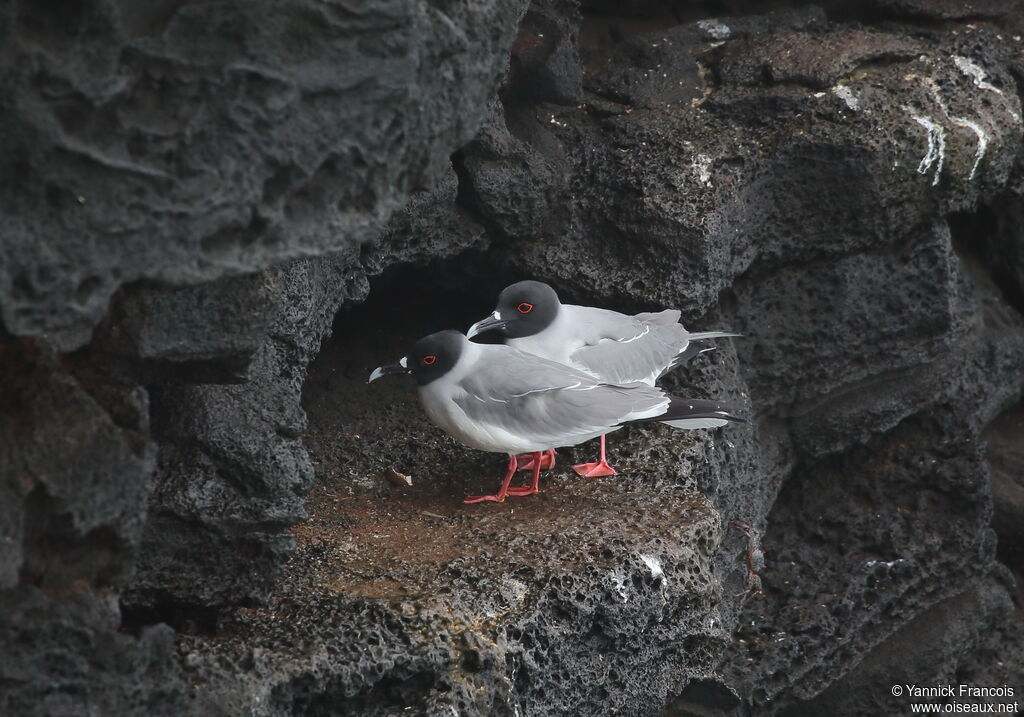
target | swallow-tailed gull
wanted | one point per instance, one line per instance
(496, 398)
(611, 347)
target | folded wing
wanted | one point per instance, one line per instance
(633, 348)
(551, 404)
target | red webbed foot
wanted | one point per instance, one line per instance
(482, 498)
(595, 470)
(598, 469)
(537, 460)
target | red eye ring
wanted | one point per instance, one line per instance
(428, 360)
(524, 308)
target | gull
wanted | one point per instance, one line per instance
(496, 398)
(609, 346)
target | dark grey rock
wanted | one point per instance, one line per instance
(817, 60)
(933, 644)
(195, 140)
(946, 9)
(65, 656)
(545, 65)
(1004, 247)
(1006, 465)
(75, 462)
(203, 334)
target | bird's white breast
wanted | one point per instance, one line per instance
(438, 401)
(447, 415)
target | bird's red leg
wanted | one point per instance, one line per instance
(503, 491)
(524, 462)
(535, 488)
(596, 470)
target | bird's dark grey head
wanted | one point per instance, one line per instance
(433, 356)
(524, 309)
(430, 358)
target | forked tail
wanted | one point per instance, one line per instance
(701, 335)
(696, 344)
(698, 413)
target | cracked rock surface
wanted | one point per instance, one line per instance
(190, 140)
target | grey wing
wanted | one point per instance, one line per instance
(547, 404)
(640, 349)
(505, 373)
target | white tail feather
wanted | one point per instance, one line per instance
(697, 422)
(700, 335)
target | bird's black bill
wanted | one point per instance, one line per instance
(491, 323)
(400, 366)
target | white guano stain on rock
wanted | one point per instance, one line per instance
(702, 169)
(653, 564)
(936, 153)
(716, 29)
(844, 93)
(976, 72)
(517, 590)
(979, 152)
(975, 127)
(619, 581)
(872, 563)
